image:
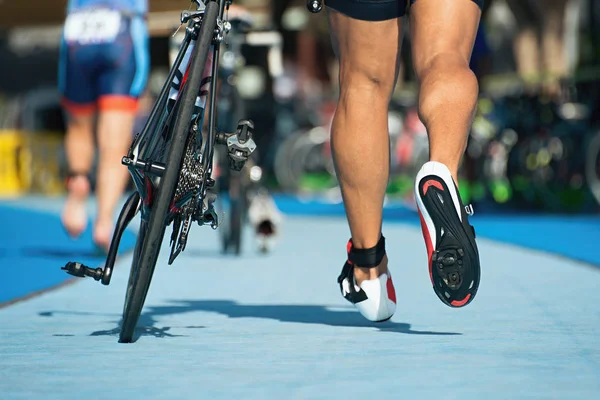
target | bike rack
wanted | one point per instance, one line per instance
(79, 270)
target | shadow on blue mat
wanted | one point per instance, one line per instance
(300, 314)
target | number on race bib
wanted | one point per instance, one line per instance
(95, 26)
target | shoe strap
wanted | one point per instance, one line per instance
(75, 174)
(366, 258)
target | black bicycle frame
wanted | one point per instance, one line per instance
(145, 171)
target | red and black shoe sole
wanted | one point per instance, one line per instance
(454, 265)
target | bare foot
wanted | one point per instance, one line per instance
(74, 217)
(103, 231)
(364, 274)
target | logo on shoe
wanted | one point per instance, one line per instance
(430, 183)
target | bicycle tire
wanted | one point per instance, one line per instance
(283, 154)
(592, 167)
(307, 154)
(236, 216)
(231, 237)
(134, 262)
(150, 248)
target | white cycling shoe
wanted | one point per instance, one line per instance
(375, 299)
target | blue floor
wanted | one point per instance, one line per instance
(33, 248)
(275, 326)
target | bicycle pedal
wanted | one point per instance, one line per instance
(245, 130)
(79, 270)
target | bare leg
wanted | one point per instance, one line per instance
(443, 33)
(79, 146)
(554, 55)
(368, 54)
(526, 48)
(526, 45)
(114, 139)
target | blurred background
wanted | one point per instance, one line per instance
(534, 146)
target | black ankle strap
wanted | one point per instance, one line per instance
(74, 174)
(366, 258)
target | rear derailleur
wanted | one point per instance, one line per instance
(240, 147)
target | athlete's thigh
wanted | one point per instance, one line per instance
(125, 73)
(366, 36)
(442, 26)
(76, 79)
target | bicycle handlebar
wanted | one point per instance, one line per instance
(314, 6)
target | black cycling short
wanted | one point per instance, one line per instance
(374, 10)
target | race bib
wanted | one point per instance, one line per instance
(92, 26)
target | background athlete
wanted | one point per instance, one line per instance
(103, 70)
(366, 37)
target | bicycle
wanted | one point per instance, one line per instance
(171, 160)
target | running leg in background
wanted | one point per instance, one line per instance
(79, 147)
(114, 138)
(119, 85)
(526, 45)
(554, 56)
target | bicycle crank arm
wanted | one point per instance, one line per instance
(79, 270)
